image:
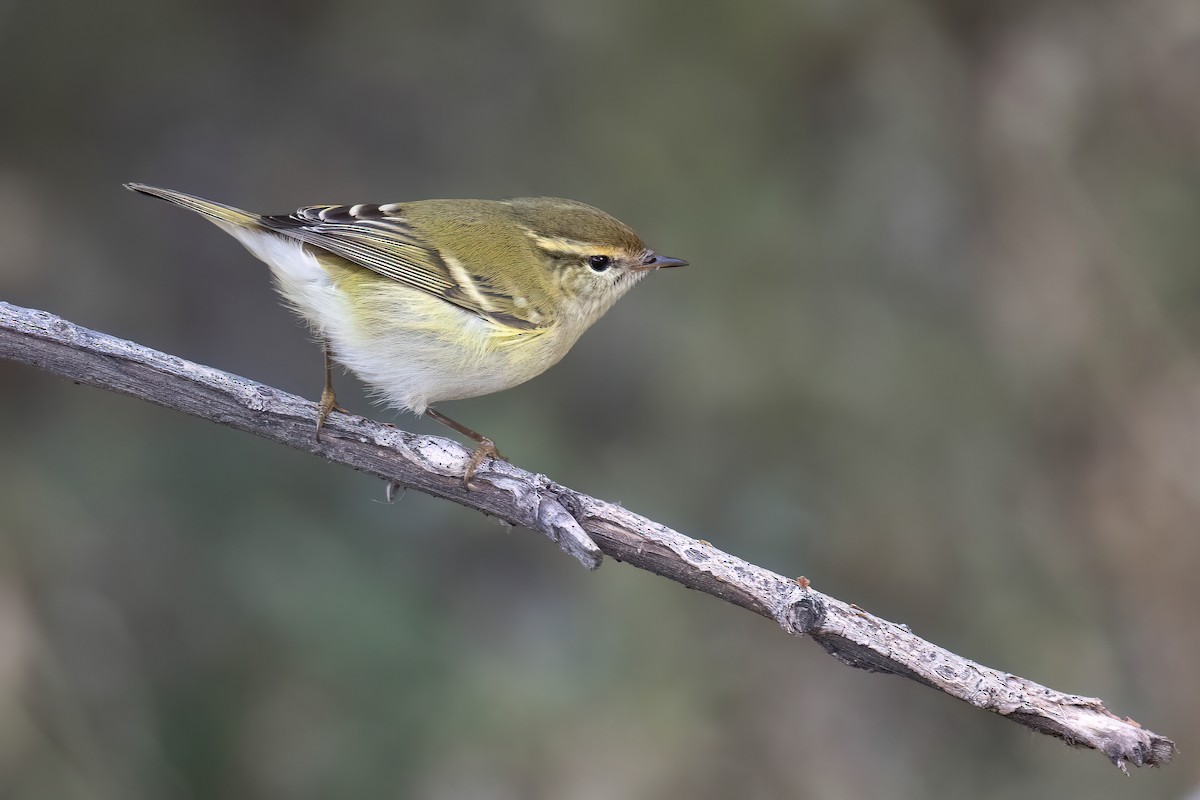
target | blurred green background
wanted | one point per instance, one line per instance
(937, 351)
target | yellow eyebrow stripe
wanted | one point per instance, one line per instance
(559, 245)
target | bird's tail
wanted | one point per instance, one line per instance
(221, 214)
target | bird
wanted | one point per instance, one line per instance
(434, 300)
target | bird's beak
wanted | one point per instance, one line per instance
(655, 261)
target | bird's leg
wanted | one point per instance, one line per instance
(328, 402)
(486, 447)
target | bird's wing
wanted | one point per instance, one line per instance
(379, 238)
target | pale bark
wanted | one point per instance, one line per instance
(581, 525)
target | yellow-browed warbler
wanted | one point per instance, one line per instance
(436, 300)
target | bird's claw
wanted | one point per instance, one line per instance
(485, 450)
(325, 407)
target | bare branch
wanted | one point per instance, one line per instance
(573, 520)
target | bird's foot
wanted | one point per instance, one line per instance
(325, 407)
(485, 450)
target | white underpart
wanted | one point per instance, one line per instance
(298, 275)
(409, 359)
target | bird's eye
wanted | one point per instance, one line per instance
(599, 263)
